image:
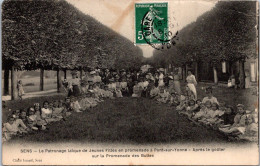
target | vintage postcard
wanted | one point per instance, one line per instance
(130, 82)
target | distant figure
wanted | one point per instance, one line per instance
(191, 80)
(74, 85)
(20, 89)
(176, 83)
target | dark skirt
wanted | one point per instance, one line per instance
(75, 92)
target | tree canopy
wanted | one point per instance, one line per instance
(52, 34)
(227, 32)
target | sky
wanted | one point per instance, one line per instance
(119, 14)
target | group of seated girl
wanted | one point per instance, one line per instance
(241, 123)
(37, 118)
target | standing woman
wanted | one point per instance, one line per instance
(176, 82)
(191, 80)
(74, 85)
(161, 77)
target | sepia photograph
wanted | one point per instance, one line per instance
(130, 82)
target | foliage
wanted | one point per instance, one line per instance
(227, 32)
(53, 34)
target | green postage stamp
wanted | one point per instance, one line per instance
(151, 23)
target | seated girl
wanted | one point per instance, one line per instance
(174, 99)
(250, 132)
(11, 128)
(23, 116)
(32, 119)
(123, 86)
(136, 90)
(67, 111)
(154, 91)
(118, 91)
(204, 113)
(192, 106)
(41, 123)
(57, 111)
(163, 95)
(183, 103)
(46, 112)
(239, 122)
(75, 104)
(84, 104)
(108, 93)
(228, 117)
(215, 114)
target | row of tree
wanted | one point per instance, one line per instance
(225, 33)
(54, 35)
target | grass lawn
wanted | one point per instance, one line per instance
(131, 120)
(127, 120)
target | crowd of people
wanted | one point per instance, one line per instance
(97, 85)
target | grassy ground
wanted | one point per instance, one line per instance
(133, 120)
(127, 120)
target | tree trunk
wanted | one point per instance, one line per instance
(242, 74)
(58, 81)
(215, 75)
(196, 71)
(65, 74)
(6, 82)
(41, 80)
(14, 92)
(81, 73)
(185, 73)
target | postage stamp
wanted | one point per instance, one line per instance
(151, 23)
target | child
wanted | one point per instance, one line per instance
(32, 119)
(203, 114)
(192, 106)
(84, 104)
(23, 116)
(46, 112)
(163, 95)
(75, 104)
(11, 128)
(123, 86)
(215, 114)
(154, 91)
(136, 90)
(228, 117)
(67, 108)
(118, 91)
(239, 121)
(210, 96)
(108, 93)
(250, 130)
(20, 89)
(57, 111)
(174, 101)
(182, 105)
(112, 85)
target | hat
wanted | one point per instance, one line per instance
(161, 69)
(171, 77)
(92, 72)
(241, 105)
(36, 104)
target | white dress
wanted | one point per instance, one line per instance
(161, 83)
(191, 84)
